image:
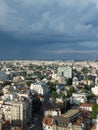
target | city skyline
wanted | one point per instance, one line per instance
(48, 30)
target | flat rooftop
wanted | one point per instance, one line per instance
(71, 113)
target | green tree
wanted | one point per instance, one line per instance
(70, 91)
(51, 86)
(83, 90)
(94, 111)
(85, 70)
(41, 76)
(90, 95)
(69, 81)
(54, 94)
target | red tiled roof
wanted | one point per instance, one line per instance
(48, 121)
(86, 105)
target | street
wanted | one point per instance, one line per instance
(37, 120)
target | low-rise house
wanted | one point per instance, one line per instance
(64, 122)
(60, 123)
(86, 106)
(47, 123)
(75, 81)
(52, 112)
(18, 79)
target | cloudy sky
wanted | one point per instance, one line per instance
(49, 29)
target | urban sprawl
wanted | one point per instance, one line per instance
(48, 95)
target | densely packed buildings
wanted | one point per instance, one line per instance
(66, 89)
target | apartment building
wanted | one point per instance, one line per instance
(39, 88)
(16, 112)
(78, 98)
(65, 71)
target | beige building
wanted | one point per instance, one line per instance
(17, 112)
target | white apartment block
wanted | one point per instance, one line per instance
(78, 98)
(39, 88)
(65, 71)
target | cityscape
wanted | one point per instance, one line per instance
(48, 65)
(48, 95)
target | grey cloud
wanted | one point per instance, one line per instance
(90, 44)
(69, 51)
(73, 19)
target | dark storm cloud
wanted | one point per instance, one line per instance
(46, 27)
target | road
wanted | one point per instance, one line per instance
(37, 120)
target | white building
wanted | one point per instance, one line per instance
(65, 71)
(96, 80)
(78, 98)
(95, 90)
(86, 106)
(75, 81)
(39, 88)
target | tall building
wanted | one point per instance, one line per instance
(65, 71)
(17, 111)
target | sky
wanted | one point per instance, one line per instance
(48, 29)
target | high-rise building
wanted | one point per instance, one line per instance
(65, 71)
(17, 111)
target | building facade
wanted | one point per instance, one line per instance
(65, 71)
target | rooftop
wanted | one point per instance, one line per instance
(71, 113)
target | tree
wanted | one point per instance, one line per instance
(54, 94)
(70, 91)
(94, 111)
(85, 70)
(69, 81)
(90, 95)
(51, 86)
(83, 90)
(41, 76)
